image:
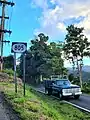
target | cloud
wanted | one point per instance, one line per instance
(57, 14)
(50, 23)
(61, 26)
(86, 24)
(52, 2)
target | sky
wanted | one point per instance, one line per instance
(30, 17)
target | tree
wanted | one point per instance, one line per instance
(75, 47)
(42, 59)
(8, 62)
(57, 62)
(40, 53)
(37, 57)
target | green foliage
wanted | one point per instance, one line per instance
(57, 63)
(33, 106)
(86, 87)
(18, 71)
(75, 43)
(37, 106)
(18, 101)
(76, 81)
(43, 59)
(71, 77)
(75, 47)
(8, 62)
(10, 72)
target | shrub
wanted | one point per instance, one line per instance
(86, 87)
(10, 72)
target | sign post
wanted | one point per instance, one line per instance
(24, 73)
(19, 47)
(15, 80)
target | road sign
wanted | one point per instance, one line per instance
(19, 47)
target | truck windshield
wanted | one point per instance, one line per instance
(63, 82)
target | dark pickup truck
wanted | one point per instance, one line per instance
(62, 87)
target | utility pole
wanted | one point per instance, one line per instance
(2, 29)
(2, 34)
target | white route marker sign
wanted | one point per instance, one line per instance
(19, 47)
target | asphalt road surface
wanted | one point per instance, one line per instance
(3, 115)
(83, 101)
(6, 112)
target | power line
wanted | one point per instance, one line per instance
(10, 20)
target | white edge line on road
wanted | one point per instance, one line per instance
(84, 109)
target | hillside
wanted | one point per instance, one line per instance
(85, 72)
(85, 68)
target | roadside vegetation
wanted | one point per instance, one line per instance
(10, 72)
(86, 87)
(36, 106)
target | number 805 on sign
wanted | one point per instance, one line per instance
(19, 47)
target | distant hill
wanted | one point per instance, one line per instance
(85, 69)
(86, 75)
(85, 72)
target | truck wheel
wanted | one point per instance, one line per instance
(48, 91)
(60, 96)
(76, 96)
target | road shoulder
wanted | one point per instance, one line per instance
(6, 110)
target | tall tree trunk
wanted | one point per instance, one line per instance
(73, 67)
(62, 73)
(80, 75)
(77, 66)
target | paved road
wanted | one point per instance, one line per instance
(3, 115)
(6, 112)
(83, 101)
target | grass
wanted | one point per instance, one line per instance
(36, 106)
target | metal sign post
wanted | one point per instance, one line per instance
(24, 73)
(19, 47)
(15, 79)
